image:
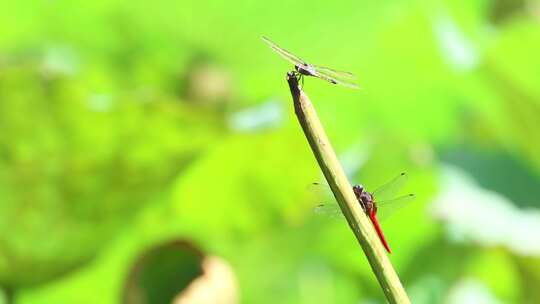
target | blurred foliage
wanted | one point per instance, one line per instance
(75, 172)
(115, 135)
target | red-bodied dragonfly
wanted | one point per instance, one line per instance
(305, 69)
(382, 199)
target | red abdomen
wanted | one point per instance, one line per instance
(375, 222)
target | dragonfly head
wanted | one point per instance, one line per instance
(358, 189)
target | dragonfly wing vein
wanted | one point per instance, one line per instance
(336, 81)
(284, 53)
(390, 189)
(335, 73)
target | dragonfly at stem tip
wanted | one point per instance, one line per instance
(302, 68)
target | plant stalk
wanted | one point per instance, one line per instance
(336, 178)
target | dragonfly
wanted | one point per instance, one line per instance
(302, 68)
(382, 199)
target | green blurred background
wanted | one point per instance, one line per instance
(125, 125)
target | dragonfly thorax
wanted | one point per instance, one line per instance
(307, 70)
(365, 199)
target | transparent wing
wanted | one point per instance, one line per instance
(330, 210)
(335, 73)
(284, 53)
(320, 191)
(334, 80)
(386, 209)
(327, 205)
(390, 190)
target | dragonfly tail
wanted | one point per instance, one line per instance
(378, 229)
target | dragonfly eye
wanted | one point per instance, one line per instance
(358, 190)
